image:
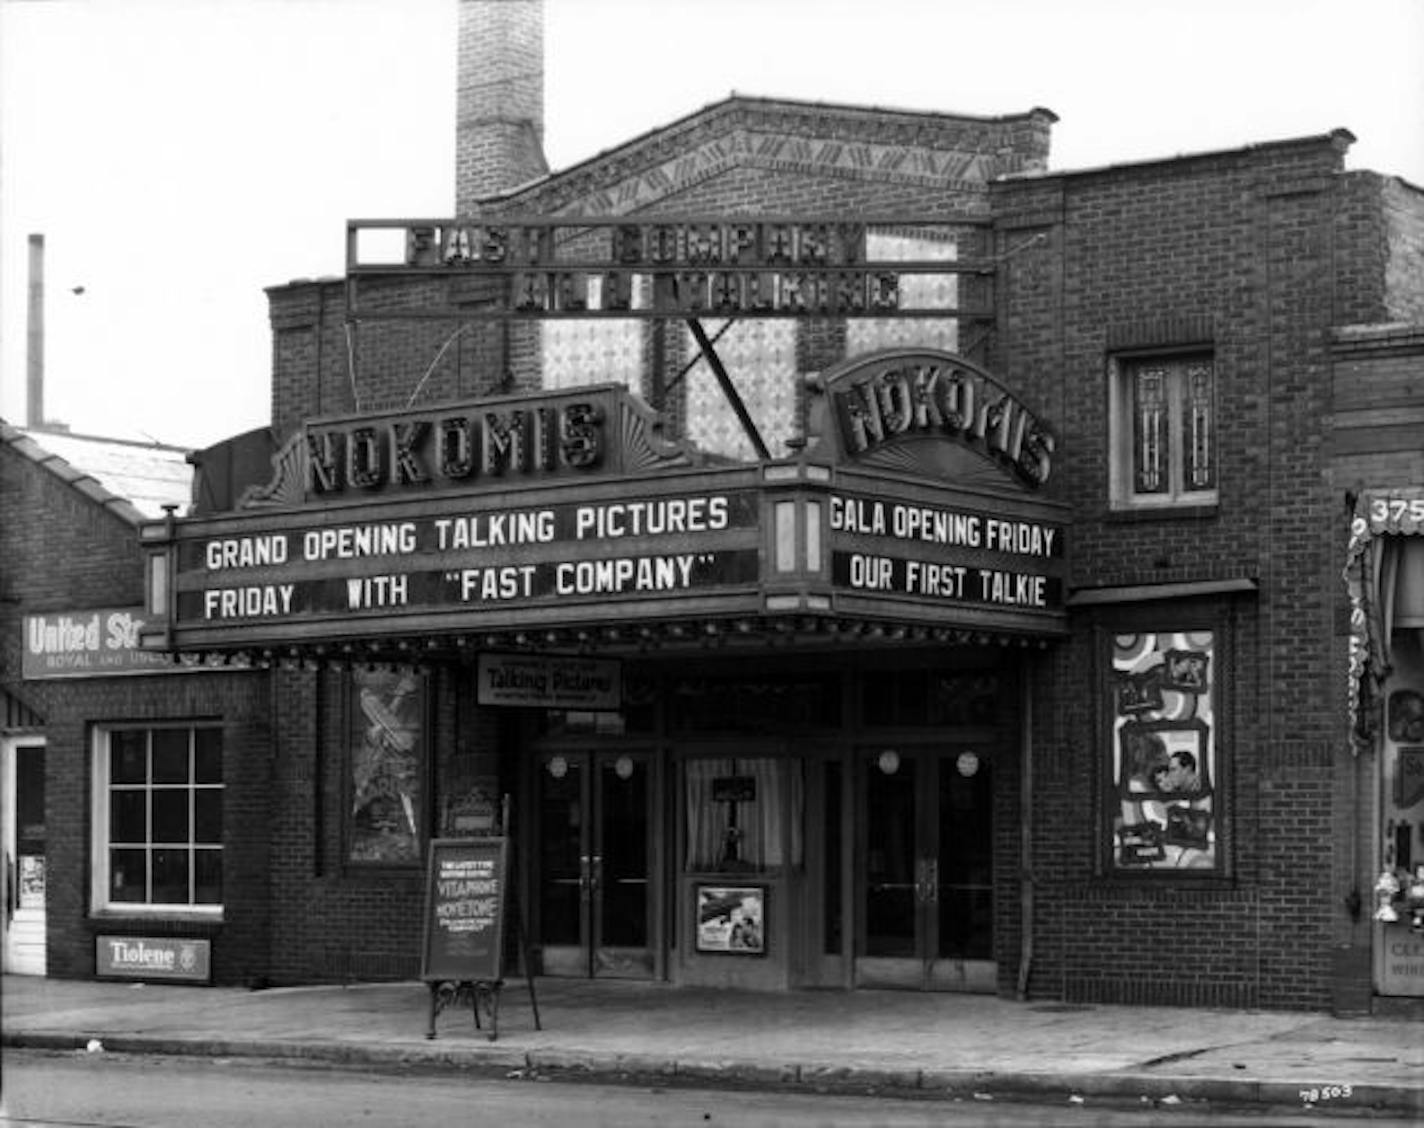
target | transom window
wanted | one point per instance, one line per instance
(158, 819)
(1163, 431)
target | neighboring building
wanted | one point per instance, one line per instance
(1377, 469)
(1003, 648)
(76, 688)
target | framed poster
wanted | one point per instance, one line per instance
(386, 758)
(731, 919)
(1164, 801)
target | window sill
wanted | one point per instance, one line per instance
(1200, 511)
(1161, 881)
(153, 918)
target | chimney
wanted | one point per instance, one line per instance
(34, 356)
(499, 112)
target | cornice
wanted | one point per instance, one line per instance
(934, 152)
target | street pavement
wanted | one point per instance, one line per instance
(901, 1043)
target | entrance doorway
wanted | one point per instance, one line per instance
(924, 870)
(593, 877)
(22, 834)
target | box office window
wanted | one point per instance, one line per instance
(743, 815)
(386, 755)
(1162, 423)
(1164, 795)
(158, 819)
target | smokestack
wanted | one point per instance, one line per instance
(499, 110)
(34, 410)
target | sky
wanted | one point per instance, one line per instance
(179, 156)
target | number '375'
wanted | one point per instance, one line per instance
(1386, 509)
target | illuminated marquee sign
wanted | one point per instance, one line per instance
(703, 545)
(596, 431)
(684, 268)
(561, 510)
(945, 557)
(908, 394)
(471, 557)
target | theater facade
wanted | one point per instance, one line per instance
(727, 709)
(836, 549)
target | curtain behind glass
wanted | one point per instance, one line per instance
(759, 841)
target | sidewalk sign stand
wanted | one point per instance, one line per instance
(466, 899)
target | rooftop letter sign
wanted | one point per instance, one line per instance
(682, 268)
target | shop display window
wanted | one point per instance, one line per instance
(158, 818)
(386, 755)
(1165, 796)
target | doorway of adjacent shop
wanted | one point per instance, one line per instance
(22, 836)
(924, 870)
(593, 876)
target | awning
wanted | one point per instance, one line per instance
(16, 714)
(1384, 574)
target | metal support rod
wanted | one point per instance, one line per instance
(733, 398)
(1026, 799)
(691, 364)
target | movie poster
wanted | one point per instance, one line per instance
(1163, 757)
(387, 736)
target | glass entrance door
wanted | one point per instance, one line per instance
(22, 834)
(594, 879)
(924, 871)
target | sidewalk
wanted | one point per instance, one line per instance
(945, 1045)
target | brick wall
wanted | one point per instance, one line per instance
(354, 922)
(1404, 216)
(499, 126)
(1247, 254)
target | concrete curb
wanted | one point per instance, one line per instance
(511, 1062)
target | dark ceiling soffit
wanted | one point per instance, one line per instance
(1142, 593)
(667, 637)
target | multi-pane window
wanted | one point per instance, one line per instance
(1163, 425)
(159, 815)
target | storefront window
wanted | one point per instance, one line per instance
(1165, 800)
(387, 757)
(158, 819)
(743, 815)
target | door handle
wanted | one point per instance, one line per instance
(927, 881)
(597, 877)
(585, 876)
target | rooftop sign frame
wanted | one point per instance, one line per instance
(536, 267)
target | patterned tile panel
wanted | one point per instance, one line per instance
(760, 359)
